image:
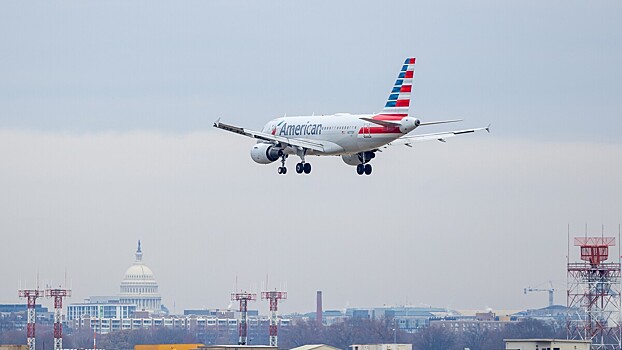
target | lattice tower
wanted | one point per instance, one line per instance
(58, 295)
(594, 295)
(274, 297)
(31, 295)
(243, 298)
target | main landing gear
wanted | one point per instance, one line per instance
(363, 169)
(301, 167)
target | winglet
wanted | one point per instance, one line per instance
(488, 128)
(217, 122)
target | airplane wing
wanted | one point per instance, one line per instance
(439, 136)
(290, 141)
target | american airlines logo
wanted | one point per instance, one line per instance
(300, 129)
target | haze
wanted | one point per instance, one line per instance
(105, 138)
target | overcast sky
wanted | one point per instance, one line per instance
(105, 138)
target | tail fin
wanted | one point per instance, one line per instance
(399, 98)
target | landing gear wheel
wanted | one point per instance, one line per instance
(300, 168)
(367, 169)
(360, 169)
(280, 170)
(306, 168)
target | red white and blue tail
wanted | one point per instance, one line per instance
(398, 102)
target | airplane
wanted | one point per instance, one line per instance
(355, 137)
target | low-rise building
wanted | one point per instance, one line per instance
(13, 347)
(167, 346)
(316, 347)
(381, 347)
(237, 347)
(546, 344)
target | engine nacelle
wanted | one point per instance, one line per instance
(409, 124)
(358, 158)
(351, 159)
(265, 153)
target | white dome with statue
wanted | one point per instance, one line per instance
(139, 287)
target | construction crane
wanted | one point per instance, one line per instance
(550, 290)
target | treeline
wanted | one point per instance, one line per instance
(357, 331)
(340, 335)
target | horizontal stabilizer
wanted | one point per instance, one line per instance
(441, 122)
(381, 122)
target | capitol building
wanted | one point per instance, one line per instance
(139, 287)
(138, 294)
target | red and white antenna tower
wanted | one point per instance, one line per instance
(273, 297)
(31, 295)
(58, 294)
(243, 298)
(594, 295)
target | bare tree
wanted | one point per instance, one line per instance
(435, 338)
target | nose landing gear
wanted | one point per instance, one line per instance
(282, 169)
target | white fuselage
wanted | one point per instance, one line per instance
(339, 133)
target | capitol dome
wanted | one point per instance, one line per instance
(139, 287)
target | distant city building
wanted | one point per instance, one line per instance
(14, 316)
(218, 313)
(138, 299)
(96, 308)
(139, 287)
(329, 317)
(460, 325)
(15, 308)
(197, 324)
(407, 318)
(552, 314)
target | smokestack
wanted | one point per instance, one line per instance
(318, 312)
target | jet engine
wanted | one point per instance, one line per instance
(358, 158)
(265, 153)
(409, 124)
